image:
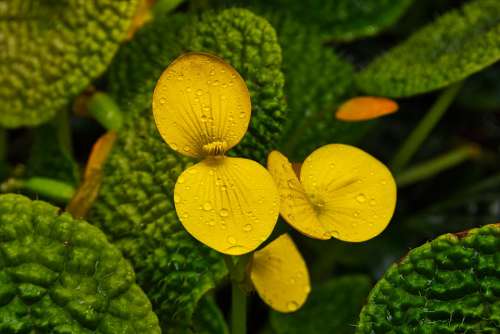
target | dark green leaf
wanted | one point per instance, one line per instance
(461, 42)
(332, 307)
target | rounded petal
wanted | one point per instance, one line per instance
(295, 207)
(365, 108)
(280, 275)
(229, 204)
(355, 193)
(201, 105)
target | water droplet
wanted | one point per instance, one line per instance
(242, 114)
(188, 89)
(223, 187)
(326, 235)
(356, 214)
(177, 198)
(173, 146)
(224, 213)
(332, 165)
(290, 216)
(211, 223)
(185, 215)
(199, 92)
(203, 118)
(180, 180)
(292, 280)
(210, 172)
(307, 289)
(290, 184)
(223, 224)
(372, 202)
(292, 305)
(231, 240)
(163, 100)
(247, 228)
(187, 148)
(384, 182)
(361, 198)
(207, 206)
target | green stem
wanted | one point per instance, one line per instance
(64, 131)
(105, 111)
(3, 145)
(425, 126)
(56, 190)
(434, 166)
(237, 270)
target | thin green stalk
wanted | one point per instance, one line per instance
(434, 166)
(64, 131)
(3, 144)
(105, 111)
(425, 126)
(55, 190)
(237, 270)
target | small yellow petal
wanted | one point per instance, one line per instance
(354, 193)
(365, 108)
(295, 207)
(201, 105)
(280, 275)
(99, 153)
(229, 204)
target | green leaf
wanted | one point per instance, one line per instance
(449, 285)
(208, 318)
(135, 205)
(456, 45)
(61, 275)
(332, 307)
(51, 50)
(317, 81)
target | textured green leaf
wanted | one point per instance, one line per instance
(51, 50)
(332, 307)
(461, 42)
(317, 81)
(449, 285)
(208, 318)
(135, 206)
(342, 20)
(61, 275)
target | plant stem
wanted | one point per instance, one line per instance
(434, 166)
(238, 309)
(105, 111)
(64, 132)
(425, 126)
(237, 271)
(56, 190)
(3, 144)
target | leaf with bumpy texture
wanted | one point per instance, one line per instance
(315, 85)
(135, 206)
(332, 307)
(61, 275)
(51, 50)
(448, 50)
(449, 285)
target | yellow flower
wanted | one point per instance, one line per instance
(280, 276)
(343, 192)
(202, 108)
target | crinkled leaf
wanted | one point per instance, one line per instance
(61, 275)
(459, 43)
(51, 50)
(135, 206)
(317, 82)
(332, 307)
(208, 318)
(449, 285)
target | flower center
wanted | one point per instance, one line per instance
(215, 148)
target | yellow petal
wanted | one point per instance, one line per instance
(295, 207)
(229, 204)
(201, 105)
(280, 275)
(354, 194)
(365, 107)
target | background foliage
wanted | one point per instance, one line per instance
(300, 63)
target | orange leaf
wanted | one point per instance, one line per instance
(365, 108)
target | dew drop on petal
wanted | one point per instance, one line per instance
(231, 240)
(224, 213)
(207, 206)
(361, 198)
(177, 198)
(211, 223)
(173, 146)
(335, 233)
(180, 180)
(247, 228)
